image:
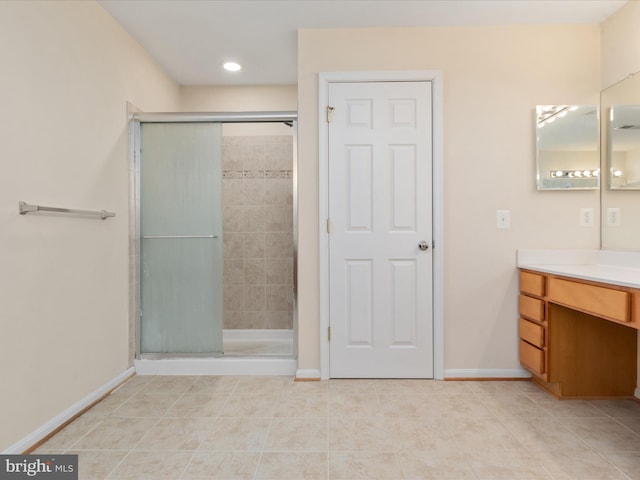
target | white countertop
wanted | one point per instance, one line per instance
(613, 267)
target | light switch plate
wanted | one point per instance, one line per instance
(503, 218)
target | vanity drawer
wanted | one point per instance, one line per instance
(598, 301)
(531, 332)
(532, 357)
(532, 308)
(532, 283)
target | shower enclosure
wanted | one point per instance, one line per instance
(213, 238)
(181, 238)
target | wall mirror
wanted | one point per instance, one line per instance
(567, 147)
(624, 147)
(620, 201)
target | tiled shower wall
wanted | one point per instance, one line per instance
(257, 188)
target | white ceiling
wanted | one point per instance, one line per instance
(192, 38)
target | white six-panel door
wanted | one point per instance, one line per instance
(380, 210)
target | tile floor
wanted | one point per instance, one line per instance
(273, 428)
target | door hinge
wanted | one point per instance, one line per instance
(329, 333)
(330, 110)
(329, 226)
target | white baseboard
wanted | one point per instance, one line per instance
(486, 373)
(217, 366)
(49, 427)
(637, 393)
(310, 374)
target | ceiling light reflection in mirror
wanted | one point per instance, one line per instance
(567, 147)
(624, 147)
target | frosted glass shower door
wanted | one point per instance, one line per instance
(181, 238)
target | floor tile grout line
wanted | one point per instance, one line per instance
(133, 449)
(328, 442)
(616, 419)
(264, 444)
(184, 470)
(484, 398)
(603, 456)
(118, 465)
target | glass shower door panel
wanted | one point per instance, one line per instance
(181, 238)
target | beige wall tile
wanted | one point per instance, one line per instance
(233, 192)
(279, 297)
(276, 157)
(278, 218)
(279, 245)
(254, 298)
(233, 297)
(233, 273)
(254, 155)
(253, 319)
(278, 319)
(254, 271)
(254, 219)
(233, 219)
(279, 271)
(232, 156)
(254, 191)
(254, 245)
(234, 318)
(233, 245)
(278, 191)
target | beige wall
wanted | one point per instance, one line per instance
(68, 70)
(257, 98)
(621, 44)
(493, 79)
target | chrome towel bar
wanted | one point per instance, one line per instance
(24, 208)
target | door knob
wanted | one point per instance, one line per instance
(423, 245)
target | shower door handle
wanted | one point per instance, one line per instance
(179, 236)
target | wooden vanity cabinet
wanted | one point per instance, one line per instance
(578, 338)
(532, 324)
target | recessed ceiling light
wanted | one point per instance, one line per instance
(232, 67)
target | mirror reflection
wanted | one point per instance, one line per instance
(620, 203)
(567, 147)
(624, 147)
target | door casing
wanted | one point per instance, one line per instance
(435, 77)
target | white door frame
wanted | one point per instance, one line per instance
(435, 77)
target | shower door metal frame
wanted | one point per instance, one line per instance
(135, 120)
